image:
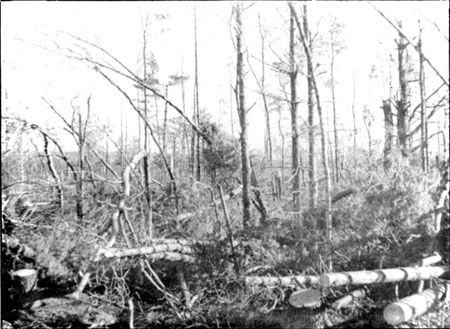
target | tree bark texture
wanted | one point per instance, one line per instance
(423, 112)
(382, 276)
(412, 306)
(242, 118)
(313, 187)
(328, 218)
(294, 133)
(402, 103)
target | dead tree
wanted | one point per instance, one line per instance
(328, 218)
(293, 72)
(240, 96)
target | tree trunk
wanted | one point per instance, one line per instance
(268, 139)
(355, 130)
(413, 306)
(336, 141)
(328, 219)
(197, 106)
(147, 173)
(388, 132)
(402, 103)
(382, 276)
(79, 185)
(423, 112)
(242, 118)
(284, 281)
(294, 131)
(313, 188)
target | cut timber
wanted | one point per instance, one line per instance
(381, 276)
(286, 281)
(430, 260)
(415, 305)
(27, 278)
(148, 250)
(305, 298)
(348, 299)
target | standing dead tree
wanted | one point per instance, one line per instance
(242, 110)
(328, 218)
(78, 131)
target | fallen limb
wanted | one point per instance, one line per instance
(348, 299)
(415, 305)
(382, 276)
(286, 281)
(183, 242)
(343, 194)
(147, 250)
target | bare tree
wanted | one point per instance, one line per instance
(313, 188)
(262, 86)
(242, 111)
(197, 106)
(146, 162)
(309, 60)
(402, 102)
(423, 112)
(336, 48)
(294, 132)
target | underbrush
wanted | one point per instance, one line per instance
(385, 224)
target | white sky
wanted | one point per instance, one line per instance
(29, 72)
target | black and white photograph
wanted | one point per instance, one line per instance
(225, 164)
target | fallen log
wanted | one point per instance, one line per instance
(430, 260)
(343, 194)
(382, 276)
(348, 299)
(286, 281)
(412, 306)
(147, 250)
(184, 242)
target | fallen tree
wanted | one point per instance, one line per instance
(382, 276)
(415, 305)
(285, 281)
(147, 250)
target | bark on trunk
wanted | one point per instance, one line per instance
(412, 306)
(423, 112)
(294, 131)
(242, 118)
(287, 281)
(402, 103)
(382, 276)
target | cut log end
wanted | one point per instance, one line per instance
(310, 298)
(397, 313)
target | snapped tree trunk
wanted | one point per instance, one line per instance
(402, 103)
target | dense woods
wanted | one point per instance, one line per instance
(238, 164)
